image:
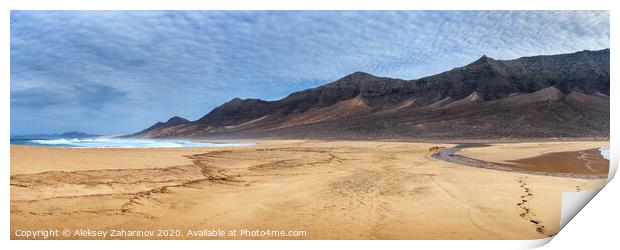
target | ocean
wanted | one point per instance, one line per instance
(120, 143)
(605, 153)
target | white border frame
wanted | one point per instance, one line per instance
(585, 235)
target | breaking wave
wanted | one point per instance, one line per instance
(122, 143)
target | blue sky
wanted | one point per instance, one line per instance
(111, 72)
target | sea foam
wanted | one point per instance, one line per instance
(52, 142)
(126, 143)
(605, 152)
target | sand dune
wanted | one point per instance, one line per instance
(330, 190)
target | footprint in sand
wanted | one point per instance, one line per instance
(526, 211)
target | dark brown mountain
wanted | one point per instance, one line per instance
(160, 126)
(531, 97)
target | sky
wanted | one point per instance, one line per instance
(118, 72)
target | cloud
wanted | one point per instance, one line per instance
(91, 96)
(37, 97)
(138, 67)
(96, 96)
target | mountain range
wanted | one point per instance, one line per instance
(549, 96)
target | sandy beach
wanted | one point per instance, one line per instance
(325, 189)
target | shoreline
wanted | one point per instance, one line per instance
(84, 143)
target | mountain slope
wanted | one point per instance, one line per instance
(158, 128)
(531, 97)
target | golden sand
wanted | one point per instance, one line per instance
(330, 190)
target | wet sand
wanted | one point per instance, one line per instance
(506, 152)
(328, 189)
(580, 162)
(586, 164)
